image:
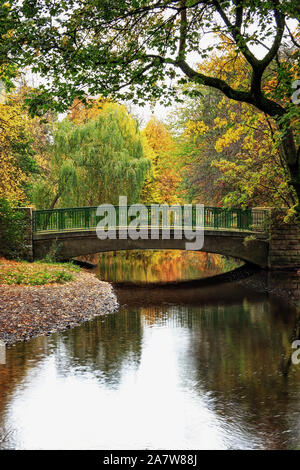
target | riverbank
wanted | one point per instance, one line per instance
(27, 311)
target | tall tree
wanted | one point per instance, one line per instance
(229, 148)
(17, 155)
(95, 162)
(197, 134)
(162, 185)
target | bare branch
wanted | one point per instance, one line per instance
(280, 23)
(292, 37)
(235, 32)
(263, 104)
(183, 30)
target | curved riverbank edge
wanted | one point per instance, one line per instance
(30, 311)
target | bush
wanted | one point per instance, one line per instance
(35, 274)
(13, 231)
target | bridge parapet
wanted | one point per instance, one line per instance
(86, 218)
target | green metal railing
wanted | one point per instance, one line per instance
(85, 218)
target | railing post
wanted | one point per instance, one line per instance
(61, 220)
(86, 218)
(238, 221)
(249, 219)
(193, 216)
(216, 222)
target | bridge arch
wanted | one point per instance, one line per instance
(71, 244)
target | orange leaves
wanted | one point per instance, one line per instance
(81, 112)
(158, 136)
(162, 186)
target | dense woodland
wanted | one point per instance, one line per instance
(217, 144)
(209, 149)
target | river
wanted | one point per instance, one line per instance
(177, 367)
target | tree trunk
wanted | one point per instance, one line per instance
(46, 221)
(292, 157)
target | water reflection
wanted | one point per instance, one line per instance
(154, 375)
(160, 266)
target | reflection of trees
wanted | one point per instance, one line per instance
(236, 352)
(236, 339)
(163, 266)
(103, 346)
(196, 293)
(20, 359)
(235, 356)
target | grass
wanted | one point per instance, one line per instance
(35, 274)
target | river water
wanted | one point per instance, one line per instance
(185, 367)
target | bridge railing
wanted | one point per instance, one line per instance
(85, 218)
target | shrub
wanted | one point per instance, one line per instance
(13, 231)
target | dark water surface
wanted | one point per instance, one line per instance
(176, 368)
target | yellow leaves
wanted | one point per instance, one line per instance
(219, 123)
(194, 128)
(229, 65)
(227, 167)
(158, 136)
(161, 185)
(8, 34)
(232, 135)
(11, 180)
(12, 125)
(222, 102)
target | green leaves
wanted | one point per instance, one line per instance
(140, 49)
(98, 160)
(122, 48)
(13, 235)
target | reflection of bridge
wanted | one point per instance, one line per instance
(232, 232)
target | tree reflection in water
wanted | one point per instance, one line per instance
(188, 367)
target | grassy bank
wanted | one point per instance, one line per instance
(35, 274)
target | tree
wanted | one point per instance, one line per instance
(17, 155)
(230, 148)
(13, 231)
(83, 111)
(162, 184)
(129, 47)
(94, 162)
(193, 123)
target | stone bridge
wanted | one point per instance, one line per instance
(257, 236)
(84, 242)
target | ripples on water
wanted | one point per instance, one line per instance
(203, 368)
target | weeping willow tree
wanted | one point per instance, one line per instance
(95, 162)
